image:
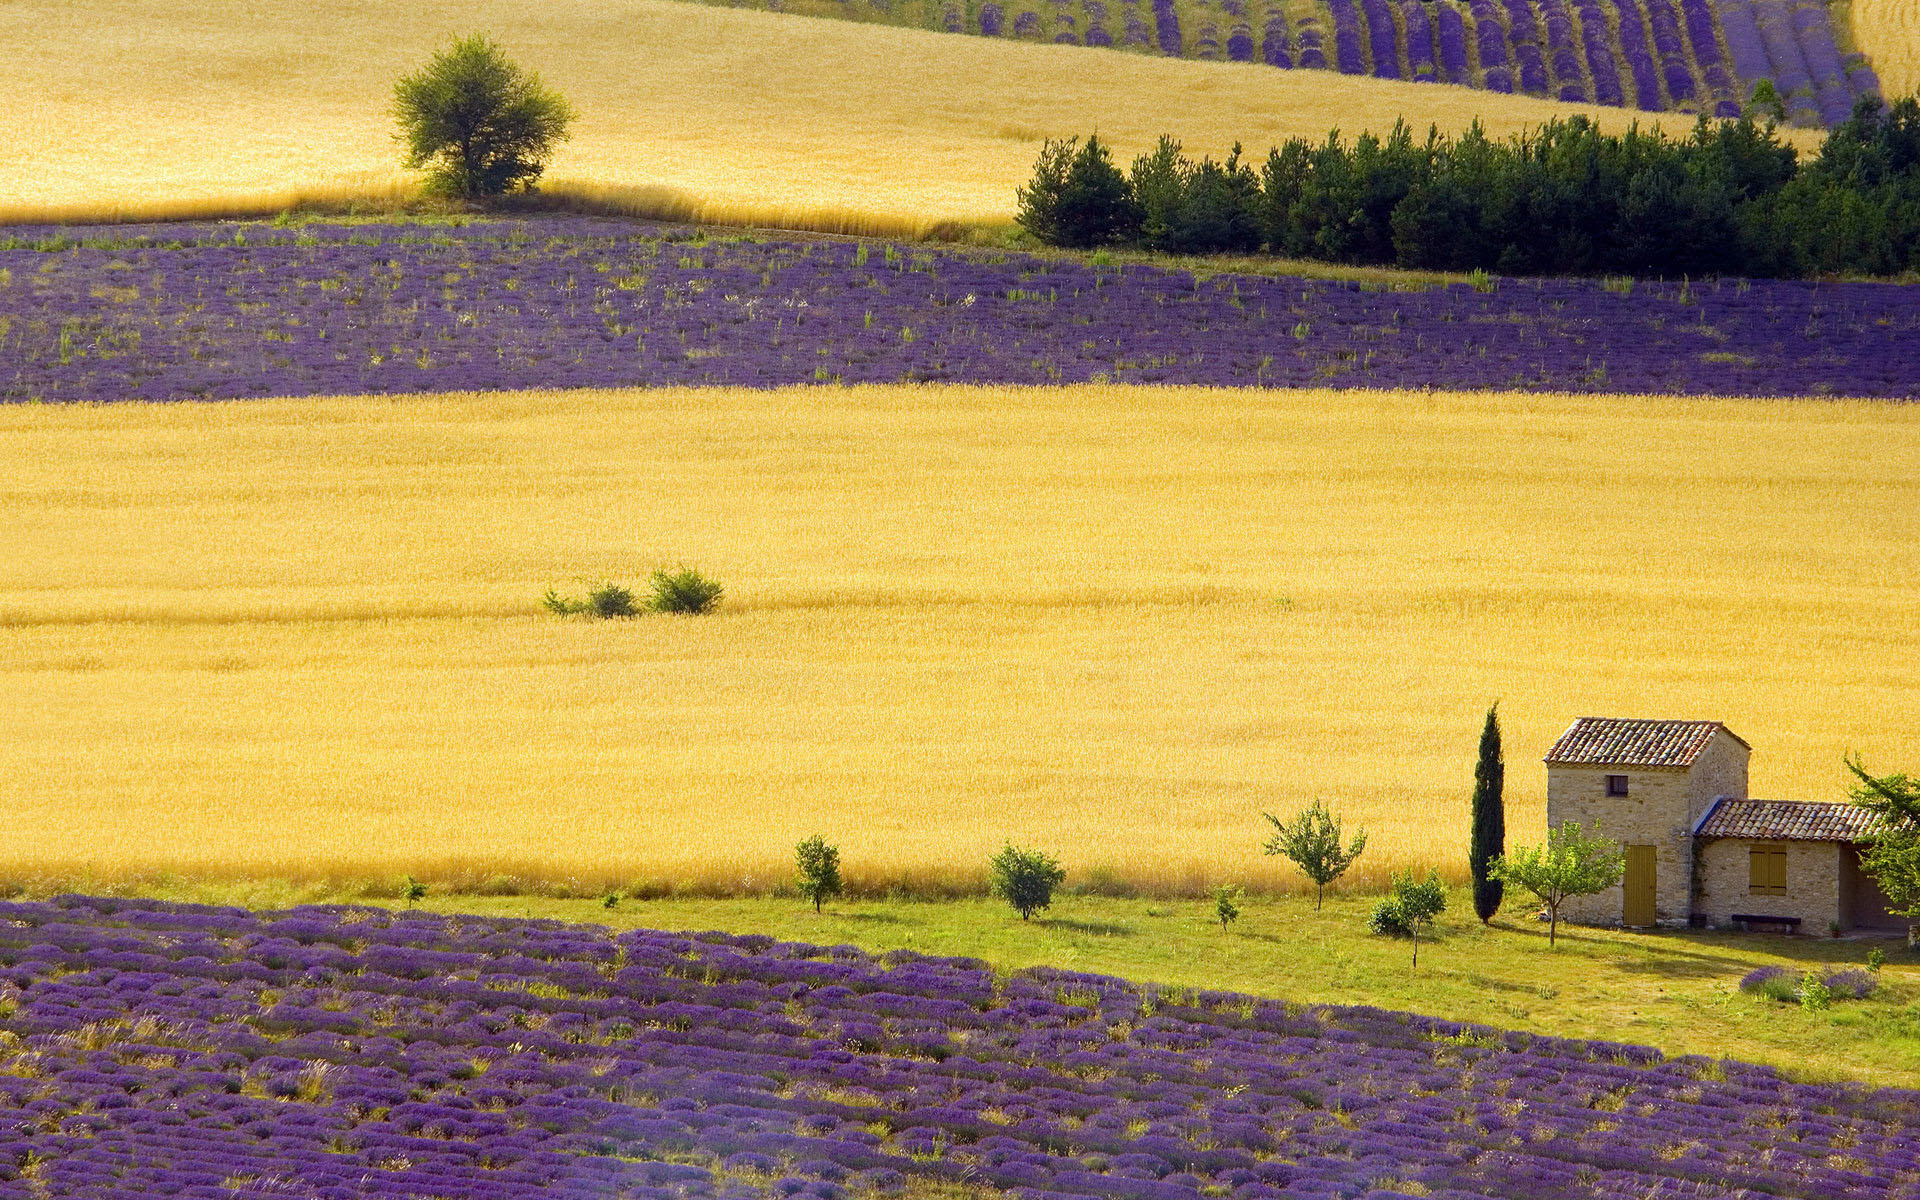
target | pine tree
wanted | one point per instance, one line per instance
(1489, 838)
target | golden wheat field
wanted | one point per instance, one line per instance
(1888, 33)
(686, 111)
(304, 638)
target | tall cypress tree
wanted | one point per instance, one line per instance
(1489, 818)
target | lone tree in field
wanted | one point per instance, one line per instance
(1489, 838)
(1569, 863)
(1892, 857)
(819, 870)
(1024, 878)
(1311, 841)
(480, 125)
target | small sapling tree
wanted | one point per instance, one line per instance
(1569, 863)
(1892, 856)
(1489, 836)
(413, 890)
(1226, 904)
(1312, 842)
(1411, 904)
(1024, 878)
(480, 125)
(818, 870)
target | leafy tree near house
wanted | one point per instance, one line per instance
(1569, 863)
(1312, 842)
(1489, 837)
(1892, 857)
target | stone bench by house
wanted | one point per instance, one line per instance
(1756, 921)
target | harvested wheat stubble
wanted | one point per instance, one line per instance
(344, 1052)
(304, 638)
(221, 312)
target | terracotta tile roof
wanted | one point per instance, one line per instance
(1611, 741)
(1788, 821)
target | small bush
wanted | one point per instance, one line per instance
(611, 600)
(1388, 921)
(1024, 878)
(1773, 982)
(1851, 983)
(1876, 958)
(684, 591)
(559, 605)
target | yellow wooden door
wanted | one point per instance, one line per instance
(1638, 906)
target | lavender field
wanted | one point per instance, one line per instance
(156, 1049)
(218, 311)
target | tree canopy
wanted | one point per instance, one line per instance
(1893, 855)
(1311, 841)
(1569, 863)
(480, 125)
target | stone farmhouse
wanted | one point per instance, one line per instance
(1699, 851)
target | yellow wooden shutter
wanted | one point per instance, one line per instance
(1767, 871)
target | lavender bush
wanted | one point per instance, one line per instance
(218, 311)
(153, 1049)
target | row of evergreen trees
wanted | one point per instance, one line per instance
(1731, 198)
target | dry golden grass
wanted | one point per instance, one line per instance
(303, 638)
(687, 111)
(1888, 33)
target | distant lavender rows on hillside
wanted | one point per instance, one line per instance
(1658, 55)
(217, 311)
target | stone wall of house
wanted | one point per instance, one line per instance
(1813, 884)
(1720, 769)
(1652, 813)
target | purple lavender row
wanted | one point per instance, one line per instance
(1382, 40)
(1527, 47)
(1451, 34)
(342, 1053)
(573, 302)
(1313, 54)
(1789, 65)
(1565, 52)
(1348, 51)
(1166, 24)
(1490, 38)
(1421, 64)
(1633, 45)
(1593, 34)
(1274, 50)
(1832, 92)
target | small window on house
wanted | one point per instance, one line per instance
(1767, 870)
(1616, 785)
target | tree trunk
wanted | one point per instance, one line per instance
(1553, 922)
(1416, 945)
